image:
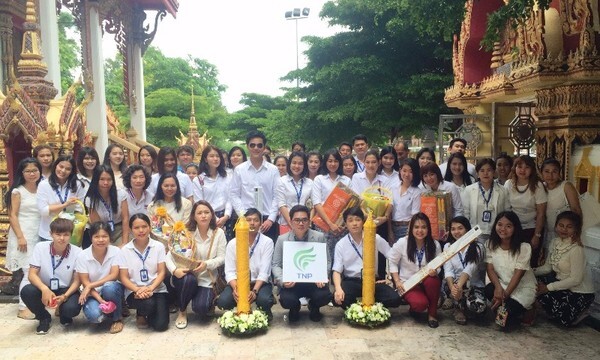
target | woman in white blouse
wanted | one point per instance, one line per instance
(196, 285)
(432, 180)
(212, 185)
(408, 256)
(98, 271)
(567, 297)
(114, 156)
(528, 198)
(406, 197)
(457, 173)
(512, 283)
(167, 163)
(137, 197)
(292, 189)
(464, 274)
(168, 195)
(60, 191)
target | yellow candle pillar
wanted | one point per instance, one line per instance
(369, 253)
(242, 234)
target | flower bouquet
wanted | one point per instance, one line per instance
(234, 324)
(162, 225)
(368, 316)
(182, 247)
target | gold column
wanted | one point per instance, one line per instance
(242, 235)
(369, 253)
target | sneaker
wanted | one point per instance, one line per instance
(43, 327)
(66, 321)
(303, 301)
(315, 314)
(294, 315)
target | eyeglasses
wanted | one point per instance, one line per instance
(300, 221)
(256, 145)
(34, 171)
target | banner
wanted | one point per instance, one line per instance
(304, 262)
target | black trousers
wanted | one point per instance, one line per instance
(264, 298)
(155, 309)
(290, 297)
(32, 297)
(383, 293)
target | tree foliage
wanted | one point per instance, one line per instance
(68, 50)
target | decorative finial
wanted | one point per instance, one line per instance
(193, 106)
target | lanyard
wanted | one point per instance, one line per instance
(354, 246)
(108, 209)
(54, 265)
(60, 196)
(462, 261)
(298, 193)
(144, 257)
(486, 201)
(254, 245)
(420, 254)
(359, 165)
(136, 201)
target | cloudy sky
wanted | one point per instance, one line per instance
(250, 42)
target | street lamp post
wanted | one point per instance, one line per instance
(296, 15)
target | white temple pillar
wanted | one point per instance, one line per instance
(137, 107)
(96, 110)
(49, 34)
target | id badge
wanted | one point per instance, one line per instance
(144, 275)
(111, 225)
(54, 283)
(486, 216)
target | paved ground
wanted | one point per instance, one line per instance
(404, 338)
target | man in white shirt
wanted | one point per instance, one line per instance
(291, 292)
(261, 254)
(360, 144)
(458, 145)
(254, 183)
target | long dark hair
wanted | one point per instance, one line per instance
(93, 192)
(385, 151)
(19, 179)
(474, 253)
(204, 168)
(411, 245)
(122, 165)
(71, 180)
(192, 224)
(426, 150)
(517, 238)
(83, 152)
(152, 151)
(160, 195)
(414, 167)
(336, 155)
(448, 176)
(162, 154)
(304, 158)
(232, 150)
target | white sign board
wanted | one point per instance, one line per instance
(304, 262)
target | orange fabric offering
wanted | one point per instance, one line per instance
(437, 205)
(340, 198)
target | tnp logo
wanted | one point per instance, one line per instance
(303, 258)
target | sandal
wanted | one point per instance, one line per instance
(116, 327)
(26, 314)
(181, 322)
(459, 317)
(447, 304)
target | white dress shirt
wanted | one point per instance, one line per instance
(87, 264)
(261, 252)
(470, 169)
(255, 188)
(524, 204)
(290, 193)
(131, 261)
(360, 182)
(137, 206)
(391, 181)
(323, 185)
(347, 260)
(456, 266)
(215, 191)
(407, 204)
(106, 214)
(41, 259)
(47, 196)
(474, 205)
(400, 263)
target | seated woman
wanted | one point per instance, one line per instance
(407, 257)
(98, 270)
(465, 274)
(261, 253)
(348, 264)
(142, 271)
(512, 283)
(569, 295)
(168, 195)
(53, 282)
(196, 285)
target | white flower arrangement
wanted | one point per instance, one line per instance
(368, 316)
(233, 323)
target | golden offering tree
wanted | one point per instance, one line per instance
(369, 253)
(242, 235)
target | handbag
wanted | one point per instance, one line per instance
(80, 220)
(218, 282)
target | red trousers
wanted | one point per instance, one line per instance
(425, 296)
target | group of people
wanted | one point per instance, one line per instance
(531, 227)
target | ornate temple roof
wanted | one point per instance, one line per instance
(171, 6)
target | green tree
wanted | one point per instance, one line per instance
(68, 50)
